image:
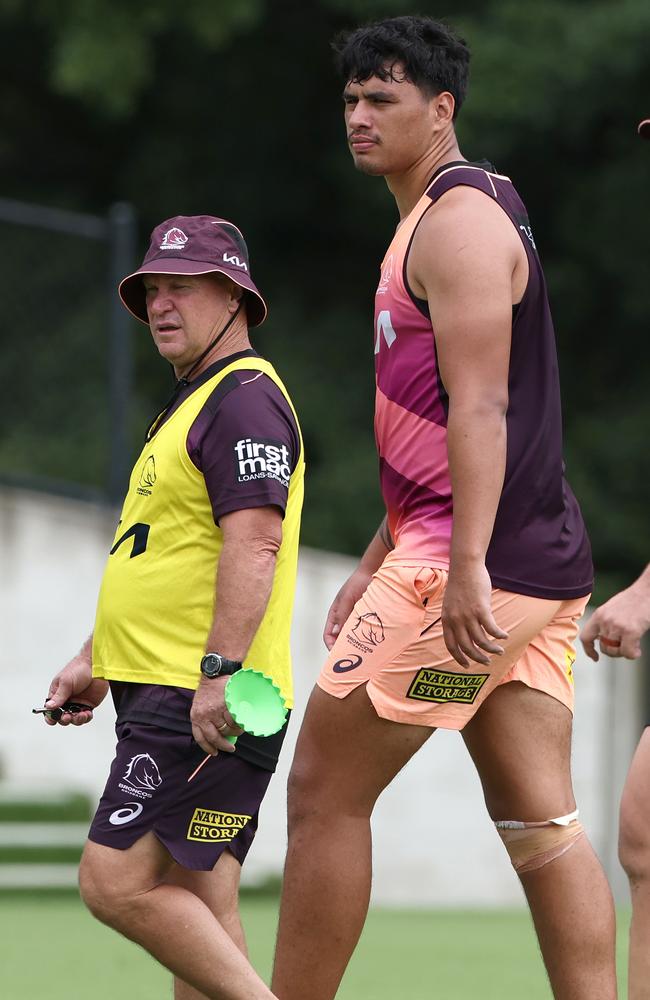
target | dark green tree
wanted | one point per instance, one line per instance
(235, 109)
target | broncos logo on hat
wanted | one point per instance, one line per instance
(174, 239)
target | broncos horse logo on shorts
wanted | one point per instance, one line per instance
(142, 772)
(369, 628)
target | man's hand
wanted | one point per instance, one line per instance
(343, 603)
(467, 621)
(620, 623)
(76, 683)
(211, 720)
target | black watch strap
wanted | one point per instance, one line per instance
(216, 665)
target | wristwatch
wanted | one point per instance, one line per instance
(215, 665)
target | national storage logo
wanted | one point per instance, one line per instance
(210, 826)
(445, 686)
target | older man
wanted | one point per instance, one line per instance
(199, 581)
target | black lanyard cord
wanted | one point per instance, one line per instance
(184, 381)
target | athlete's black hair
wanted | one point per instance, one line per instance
(430, 54)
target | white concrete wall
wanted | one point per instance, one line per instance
(434, 844)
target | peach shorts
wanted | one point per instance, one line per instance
(392, 642)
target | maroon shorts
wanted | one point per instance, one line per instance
(147, 789)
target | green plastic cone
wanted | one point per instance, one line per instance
(255, 703)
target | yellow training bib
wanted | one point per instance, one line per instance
(156, 603)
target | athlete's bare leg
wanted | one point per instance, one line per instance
(520, 742)
(219, 890)
(345, 757)
(634, 852)
(127, 891)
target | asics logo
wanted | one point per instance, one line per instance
(124, 815)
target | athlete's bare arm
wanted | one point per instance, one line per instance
(76, 683)
(621, 622)
(251, 540)
(355, 585)
(467, 261)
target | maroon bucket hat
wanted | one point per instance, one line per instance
(195, 244)
(643, 128)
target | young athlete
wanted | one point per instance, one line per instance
(463, 611)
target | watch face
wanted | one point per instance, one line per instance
(215, 665)
(211, 665)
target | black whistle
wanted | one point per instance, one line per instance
(55, 714)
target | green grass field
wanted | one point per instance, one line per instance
(53, 950)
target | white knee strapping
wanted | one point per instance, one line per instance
(533, 845)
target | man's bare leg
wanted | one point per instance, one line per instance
(127, 891)
(345, 757)
(634, 852)
(219, 890)
(520, 742)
